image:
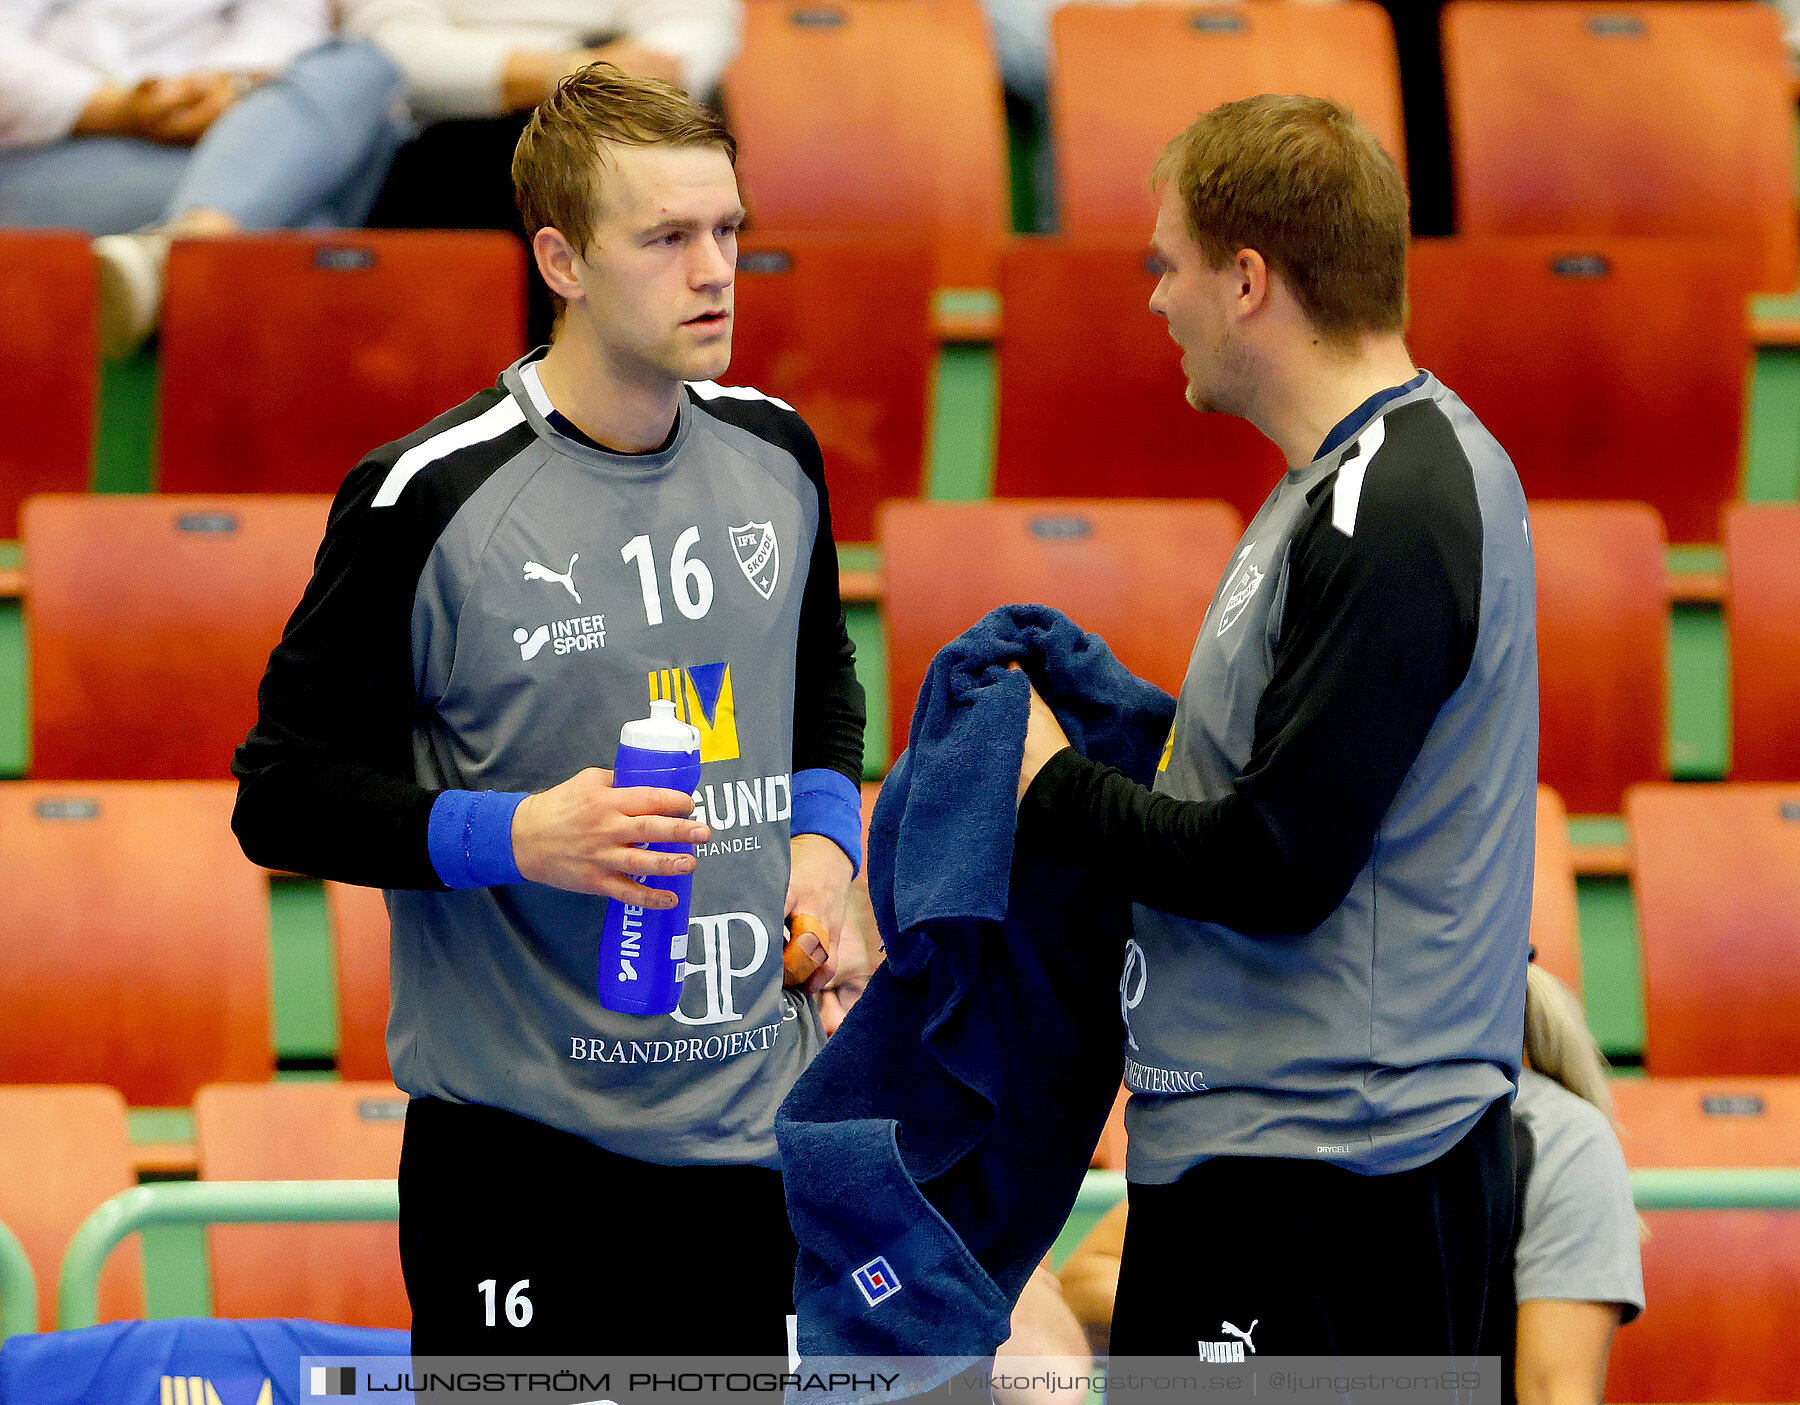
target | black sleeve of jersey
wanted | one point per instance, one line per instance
(1378, 631)
(829, 705)
(830, 709)
(325, 779)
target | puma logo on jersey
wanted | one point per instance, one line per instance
(566, 579)
(1229, 1351)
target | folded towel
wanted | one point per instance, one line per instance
(935, 1148)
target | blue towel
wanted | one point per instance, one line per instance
(934, 1149)
(128, 1361)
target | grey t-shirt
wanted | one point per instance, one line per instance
(1579, 1237)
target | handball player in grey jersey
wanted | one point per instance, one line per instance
(496, 595)
(1324, 990)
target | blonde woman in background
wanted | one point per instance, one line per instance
(1577, 1275)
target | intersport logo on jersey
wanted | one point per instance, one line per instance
(571, 636)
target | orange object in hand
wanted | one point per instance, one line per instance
(808, 948)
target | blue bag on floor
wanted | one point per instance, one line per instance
(191, 1361)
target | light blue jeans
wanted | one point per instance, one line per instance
(308, 149)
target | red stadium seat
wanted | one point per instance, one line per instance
(150, 621)
(304, 1132)
(49, 366)
(1138, 574)
(1091, 390)
(1724, 1309)
(63, 1153)
(1603, 366)
(1671, 120)
(839, 326)
(134, 939)
(1603, 650)
(359, 944)
(1708, 1121)
(867, 116)
(1555, 921)
(1175, 62)
(1762, 558)
(287, 357)
(1717, 881)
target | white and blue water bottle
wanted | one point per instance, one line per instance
(642, 948)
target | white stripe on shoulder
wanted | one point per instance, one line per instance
(712, 390)
(490, 424)
(1347, 493)
(534, 387)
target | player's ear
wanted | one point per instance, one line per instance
(1251, 272)
(557, 261)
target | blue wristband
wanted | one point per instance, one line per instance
(469, 837)
(829, 804)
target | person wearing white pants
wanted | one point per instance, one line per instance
(176, 120)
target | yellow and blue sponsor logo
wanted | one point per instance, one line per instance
(703, 698)
(198, 1390)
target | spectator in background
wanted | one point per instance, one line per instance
(475, 69)
(1576, 1272)
(184, 118)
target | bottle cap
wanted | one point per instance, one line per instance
(662, 730)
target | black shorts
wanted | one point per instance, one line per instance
(614, 1256)
(1323, 1261)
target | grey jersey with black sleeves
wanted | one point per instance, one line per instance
(1378, 1037)
(1333, 869)
(559, 588)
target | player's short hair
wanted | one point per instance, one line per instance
(1302, 182)
(556, 165)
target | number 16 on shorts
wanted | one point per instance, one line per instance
(518, 1306)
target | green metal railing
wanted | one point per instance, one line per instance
(1100, 1192)
(201, 1203)
(18, 1287)
(1776, 1188)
